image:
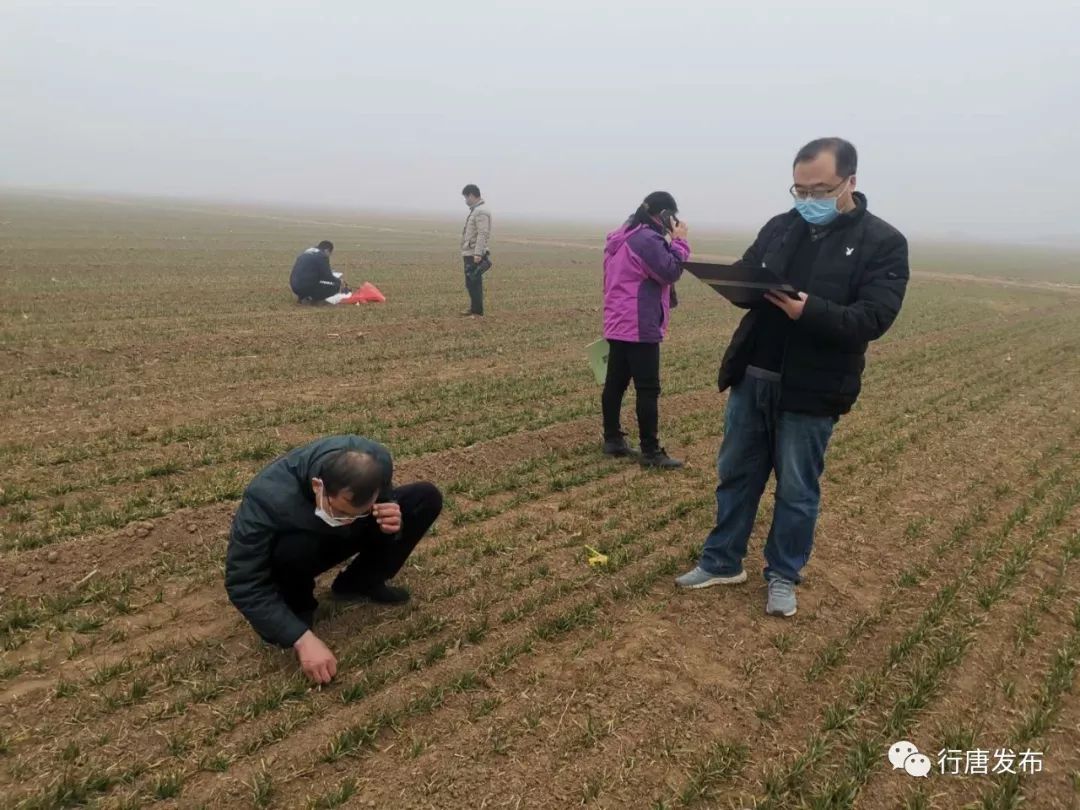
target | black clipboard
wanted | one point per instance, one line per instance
(742, 285)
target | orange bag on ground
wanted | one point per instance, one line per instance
(367, 294)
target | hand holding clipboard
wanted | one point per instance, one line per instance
(741, 285)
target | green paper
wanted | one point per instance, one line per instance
(597, 353)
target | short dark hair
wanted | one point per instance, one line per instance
(847, 159)
(472, 189)
(359, 473)
(326, 244)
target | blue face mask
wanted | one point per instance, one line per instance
(818, 212)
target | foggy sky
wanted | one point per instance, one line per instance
(965, 115)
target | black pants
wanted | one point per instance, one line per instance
(474, 282)
(377, 557)
(319, 291)
(639, 362)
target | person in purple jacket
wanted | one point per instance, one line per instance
(642, 261)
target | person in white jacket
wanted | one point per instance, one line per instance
(475, 255)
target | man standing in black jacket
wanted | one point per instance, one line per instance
(794, 366)
(309, 511)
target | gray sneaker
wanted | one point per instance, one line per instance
(781, 597)
(700, 578)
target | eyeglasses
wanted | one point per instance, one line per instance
(350, 518)
(333, 512)
(326, 507)
(814, 193)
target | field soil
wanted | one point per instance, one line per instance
(154, 360)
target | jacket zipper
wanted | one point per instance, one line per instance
(810, 280)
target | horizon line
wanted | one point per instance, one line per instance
(1050, 240)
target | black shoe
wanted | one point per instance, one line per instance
(660, 459)
(381, 594)
(618, 448)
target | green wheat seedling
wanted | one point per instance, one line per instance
(721, 763)
(336, 797)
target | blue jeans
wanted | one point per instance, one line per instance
(759, 438)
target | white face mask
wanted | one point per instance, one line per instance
(325, 516)
(330, 520)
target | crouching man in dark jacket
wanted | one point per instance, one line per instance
(309, 511)
(794, 366)
(312, 281)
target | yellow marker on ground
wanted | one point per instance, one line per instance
(595, 557)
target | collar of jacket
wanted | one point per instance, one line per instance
(650, 224)
(476, 204)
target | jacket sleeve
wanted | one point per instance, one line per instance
(248, 581)
(876, 303)
(386, 490)
(483, 232)
(663, 262)
(323, 264)
(753, 255)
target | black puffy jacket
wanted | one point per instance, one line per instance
(856, 288)
(280, 500)
(312, 268)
